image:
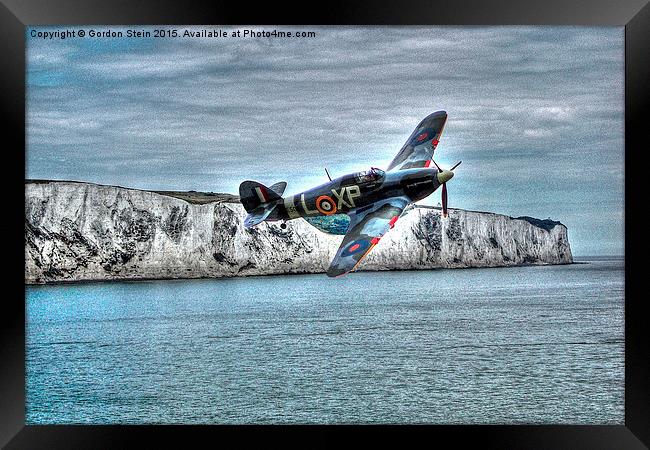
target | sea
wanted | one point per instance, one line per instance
(533, 345)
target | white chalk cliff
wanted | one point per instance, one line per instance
(81, 231)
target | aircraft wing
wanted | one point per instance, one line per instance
(418, 149)
(367, 226)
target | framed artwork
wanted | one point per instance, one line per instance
(266, 221)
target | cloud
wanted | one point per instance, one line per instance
(545, 103)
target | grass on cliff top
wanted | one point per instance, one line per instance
(200, 198)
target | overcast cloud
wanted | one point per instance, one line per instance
(535, 113)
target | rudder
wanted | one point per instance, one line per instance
(253, 194)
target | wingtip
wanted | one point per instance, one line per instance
(437, 115)
(336, 273)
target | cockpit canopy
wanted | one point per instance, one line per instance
(370, 176)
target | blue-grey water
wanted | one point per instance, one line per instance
(537, 344)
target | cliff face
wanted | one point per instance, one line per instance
(82, 231)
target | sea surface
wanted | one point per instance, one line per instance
(539, 344)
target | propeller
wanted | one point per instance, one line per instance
(443, 177)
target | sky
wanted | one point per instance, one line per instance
(536, 114)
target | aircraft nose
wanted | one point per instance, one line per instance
(445, 176)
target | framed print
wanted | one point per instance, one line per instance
(410, 220)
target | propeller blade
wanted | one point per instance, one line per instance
(436, 164)
(456, 165)
(444, 200)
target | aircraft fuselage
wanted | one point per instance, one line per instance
(357, 190)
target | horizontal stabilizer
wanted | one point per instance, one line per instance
(279, 187)
(259, 215)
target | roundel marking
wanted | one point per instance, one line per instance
(325, 205)
(355, 247)
(422, 136)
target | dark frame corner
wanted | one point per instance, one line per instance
(633, 14)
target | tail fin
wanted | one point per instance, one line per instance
(259, 201)
(253, 194)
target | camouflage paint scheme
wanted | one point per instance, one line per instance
(363, 206)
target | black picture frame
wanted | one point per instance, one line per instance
(15, 15)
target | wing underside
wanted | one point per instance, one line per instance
(333, 224)
(418, 149)
(367, 226)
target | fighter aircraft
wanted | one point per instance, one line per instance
(362, 206)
